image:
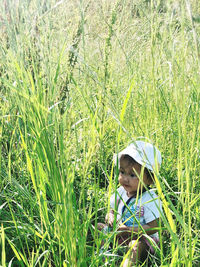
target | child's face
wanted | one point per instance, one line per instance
(129, 176)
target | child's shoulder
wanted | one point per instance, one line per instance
(121, 190)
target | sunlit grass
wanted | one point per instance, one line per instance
(78, 82)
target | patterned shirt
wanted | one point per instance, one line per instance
(136, 211)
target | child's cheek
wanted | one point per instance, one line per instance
(119, 179)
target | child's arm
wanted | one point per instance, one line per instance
(110, 217)
(133, 231)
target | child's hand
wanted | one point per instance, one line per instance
(110, 218)
(123, 227)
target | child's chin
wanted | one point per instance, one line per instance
(126, 187)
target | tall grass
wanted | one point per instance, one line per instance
(135, 73)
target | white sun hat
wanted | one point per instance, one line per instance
(143, 153)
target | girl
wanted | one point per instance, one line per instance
(138, 208)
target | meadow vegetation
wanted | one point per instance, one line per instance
(79, 80)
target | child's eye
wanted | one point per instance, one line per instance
(133, 175)
(122, 172)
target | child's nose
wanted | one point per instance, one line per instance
(124, 177)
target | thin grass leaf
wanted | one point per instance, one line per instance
(18, 254)
(3, 252)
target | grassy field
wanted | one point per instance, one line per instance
(79, 80)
